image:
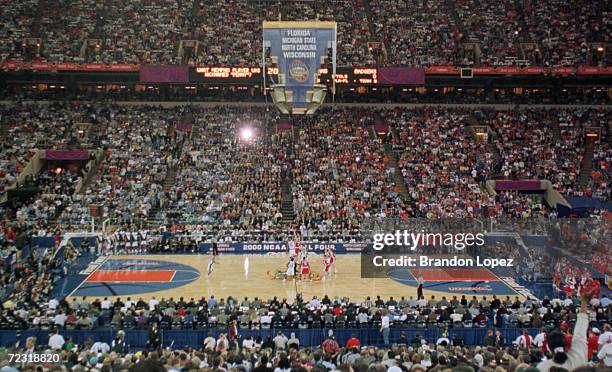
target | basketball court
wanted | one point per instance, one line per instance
(145, 276)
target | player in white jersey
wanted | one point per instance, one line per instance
(246, 267)
(303, 250)
(291, 268)
(211, 266)
(291, 245)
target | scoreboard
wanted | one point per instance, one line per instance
(236, 73)
(360, 76)
(253, 75)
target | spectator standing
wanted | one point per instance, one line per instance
(56, 341)
(280, 341)
(385, 328)
(330, 346)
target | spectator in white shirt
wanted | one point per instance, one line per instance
(60, 319)
(106, 304)
(100, 347)
(539, 338)
(606, 337)
(384, 328)
(56, 341)
(280, 341)
(605, 354)
(153, 302)
(210, 342)
(247, 343)
(53, 303)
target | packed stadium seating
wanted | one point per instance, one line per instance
(226, 180)
(141, 142)
(442, 164)
(414, 33)
(563, 32)
(100, 192)
(340, 173)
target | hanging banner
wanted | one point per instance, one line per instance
(298, 49)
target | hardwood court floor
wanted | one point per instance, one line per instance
(229, 279)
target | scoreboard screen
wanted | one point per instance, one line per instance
(228, 72)
(360, 76)
(253, 75)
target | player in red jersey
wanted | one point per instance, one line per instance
(327, 263)
(305, 269)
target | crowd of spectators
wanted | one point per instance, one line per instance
(545, 144)
(62, 27)
(417, 32)
(55, 188)
(529, 147)
(494, 27)
(413, 33)
(17, 18)
(563, 31)
(442, 164)
(25, 280)
(139, 142)
(340, 173)
(517, 205)
(228, 176)
(149, 31)
(146, 31)
(254, 353)
(337, 167)
(600, 182)
(30, 129)
(255, 313)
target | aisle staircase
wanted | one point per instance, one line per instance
(287, 196)
(556, 129)
(368, 8)
(587, 165)
(177, 150)
(398, 179)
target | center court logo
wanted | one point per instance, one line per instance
(120, 277)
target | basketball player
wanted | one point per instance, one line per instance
(332, 258)
(327, 263)
(215, 249)
(294, 246)
(211, 265)
(290, 273)
(303, 251)
(246, 267)
(291, 246)
(305, 268)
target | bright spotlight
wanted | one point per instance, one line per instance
(246, 134)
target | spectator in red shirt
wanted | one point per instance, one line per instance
(330, 346)
(568, 337)
(592, 342)
(354, 342)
